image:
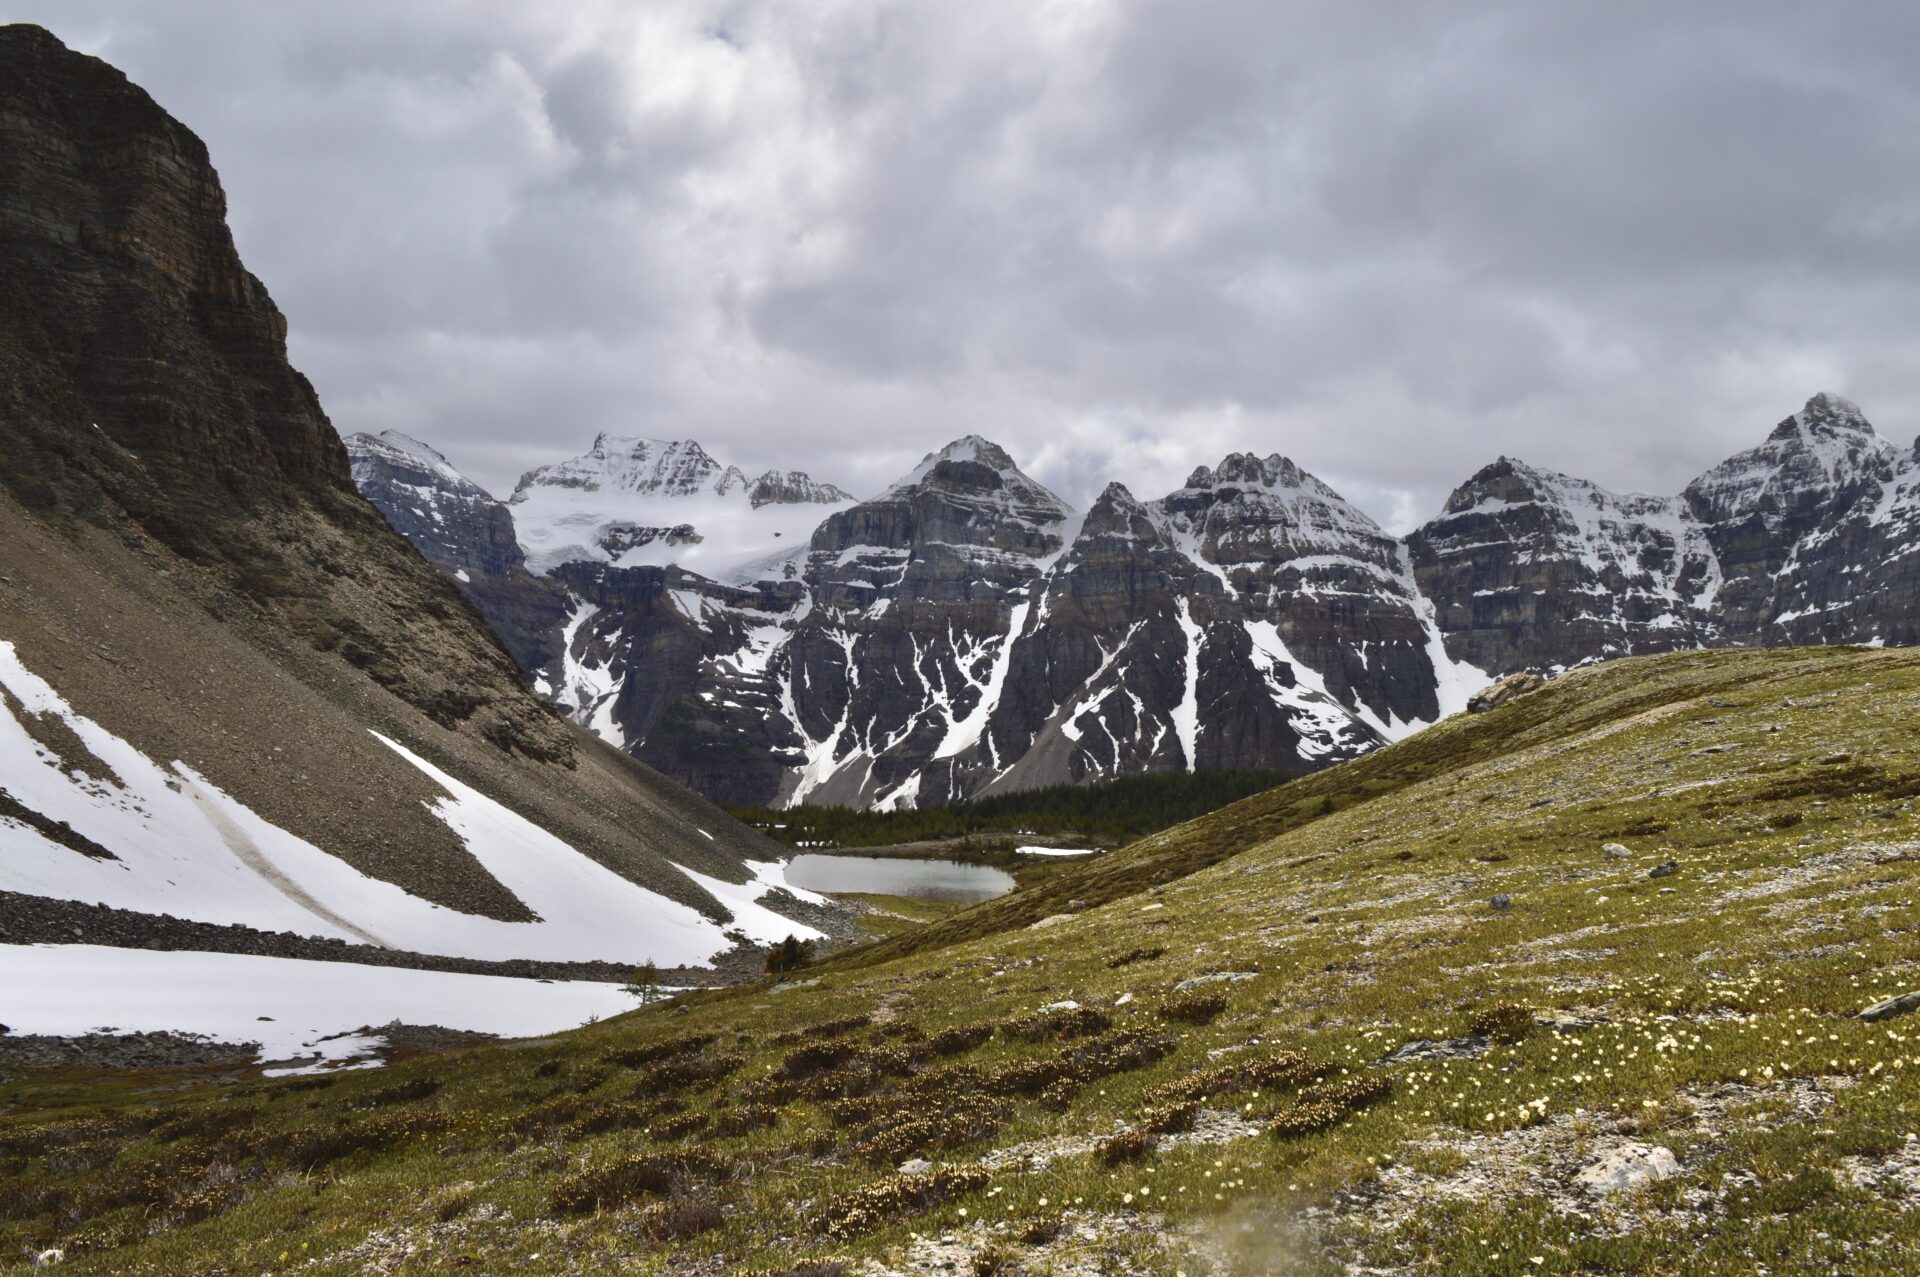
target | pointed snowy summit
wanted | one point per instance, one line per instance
(975, 463)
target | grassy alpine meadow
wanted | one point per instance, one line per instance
(1573, 986)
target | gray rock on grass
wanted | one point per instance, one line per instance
(1888, 1008)
(1628, 1166)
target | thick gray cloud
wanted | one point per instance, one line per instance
(1390, 240)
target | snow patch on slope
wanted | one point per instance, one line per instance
(184, 847)
(965, 734)
(1186, 715)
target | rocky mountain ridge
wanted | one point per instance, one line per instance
(229, 692)
(966, 631)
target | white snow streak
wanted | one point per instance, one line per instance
(1186, 715)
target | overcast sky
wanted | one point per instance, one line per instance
(1391, 240)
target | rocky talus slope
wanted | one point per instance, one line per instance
(230, 690)
(1615, 978)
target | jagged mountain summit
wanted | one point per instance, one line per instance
(235, 706)
(1807, 538)
(968, 632)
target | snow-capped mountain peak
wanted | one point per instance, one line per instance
(1824, 448)
(964, 632)
(395, 448)
(794, 487)
(1825, 414)
(634, 501)
(620, 463)
(977, 463)
(1247, 469)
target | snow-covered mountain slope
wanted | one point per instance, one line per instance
(967, 631)
(1816, 531)
(229, 690)
(1810, 537)
(449, 518)
(98, 821)
(647, 502)
(306, 1016)
(467, 534)
(1527, 567)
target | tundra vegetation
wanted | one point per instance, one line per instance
(1289, 1036)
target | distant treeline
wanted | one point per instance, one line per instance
(1109, 813)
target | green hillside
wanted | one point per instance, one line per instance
(1614, 937)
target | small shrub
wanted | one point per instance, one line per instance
(1280, 1071)
(806, 1268)
(1120, 1053)
(330, 1141)
(553, 1113)
(820, 1058)
(1324, 1106)
(748, 1117)
(403, 1093)
(854, 1214)
(643, 1175)
(995, 1262)
(680, 1218)
(1029, 1077)
(634, 1057)
(1058, 1097)
(789, 955)
(1168, 1118)
(598, 1119)
(960, 1040)
(769, 1089)
(682, 1073)
(1196, 1006)
(453, 1202)
(861, 1109)
(825, 1029)
(895, 1061)
(1127, 1146)
(210, 1120)
(1505, 1022)
(1065, 1022)
(674, 1128)
(1040, 1231)
(892, 1137)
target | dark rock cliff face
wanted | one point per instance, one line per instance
(1808, 538)
(1528, 570)
(144, 376)
(673, 667)
(140, 355)
(965, 631)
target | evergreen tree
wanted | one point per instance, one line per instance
(644, 983)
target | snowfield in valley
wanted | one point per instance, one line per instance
(301, 1013)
